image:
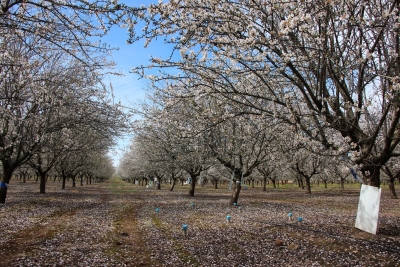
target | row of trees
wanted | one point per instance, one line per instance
(281, 83)
(76, 166)
(237, 150)
(54, 107)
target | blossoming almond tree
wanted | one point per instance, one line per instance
(73, 26)
(233, 137)
(318, 65)
(43, 95)
(178, 143)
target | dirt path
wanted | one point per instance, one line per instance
(94, 225)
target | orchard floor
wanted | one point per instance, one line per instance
(115, 224)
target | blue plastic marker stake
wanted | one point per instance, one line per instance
(299, 220)
(185, 228)
(290, 216)
(192, 205)
(235, 204)
(228, 218)
(157, 210)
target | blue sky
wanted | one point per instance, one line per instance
(129, 89)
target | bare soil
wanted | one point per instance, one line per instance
(116, 224)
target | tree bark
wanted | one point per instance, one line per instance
(63, 182)
(172, 185)
(308, 184)
(273, 182)
(42, 182)
(236, 192)
(192, 185)
(4, 185)
(392, 189)
(159, 184)
(371, 173)
(264, 184)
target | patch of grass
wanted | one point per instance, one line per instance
(119, 187)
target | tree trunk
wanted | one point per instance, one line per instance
(3, 192)
(264, 184)
(373, 175)
(391, 187)
(236, 192)
(64, 178)
(273, 183)
(215, 184)
(158, 184)
(172, 185)
(42, 183)
(4, 185)
(308, 184)
(192, 185)
(342, 184)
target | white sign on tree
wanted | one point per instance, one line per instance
(368, 209)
